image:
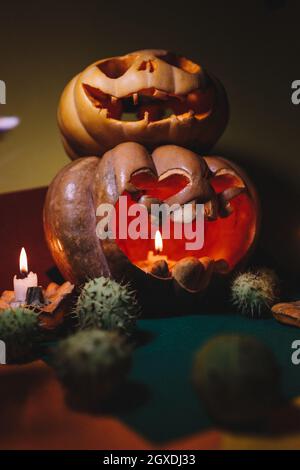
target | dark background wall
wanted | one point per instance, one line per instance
(252, 46)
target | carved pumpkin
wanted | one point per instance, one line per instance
(152, 97)
(170, 174)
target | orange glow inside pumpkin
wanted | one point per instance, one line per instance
(225, 238)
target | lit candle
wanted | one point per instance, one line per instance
(28, 280)
(152, 257)
(156, 263)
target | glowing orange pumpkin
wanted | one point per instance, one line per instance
(172, 174)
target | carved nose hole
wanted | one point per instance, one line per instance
(147, 64)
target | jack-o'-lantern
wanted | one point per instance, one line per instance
(152, 97)
(171, 174)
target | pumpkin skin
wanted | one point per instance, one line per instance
(171, 99)
(230, 202)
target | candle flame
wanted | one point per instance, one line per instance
(158, 242)
(23, 261)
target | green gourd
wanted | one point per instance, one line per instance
(104, 303)
(19, 330)
(238, 381)
(92, 364)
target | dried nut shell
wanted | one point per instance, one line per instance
(52, 315)
(160, 269)
(51, 289)
(288, 313)
(188, 273)
(8, 296)
(3, 305)
(57, 300)
(221, 266)
(63, 290)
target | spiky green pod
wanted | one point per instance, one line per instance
(108, 305)
(19, 329)
(238, 380)
(92, 364)
(254, 293)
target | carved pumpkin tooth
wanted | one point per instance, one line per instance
(185, 214)
(161, 95)
(135, 98)
(225, 210)
(146, 117)
(232, 192)
(211, 209)
(113, 99)
(103, 112)
(224, 198)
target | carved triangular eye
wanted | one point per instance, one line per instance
(117, 66)
(180, 62)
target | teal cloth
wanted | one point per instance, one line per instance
(170, 408)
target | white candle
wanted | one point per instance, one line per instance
(21, 285)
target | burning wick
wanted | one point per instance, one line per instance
(27, 280)
(156, 263)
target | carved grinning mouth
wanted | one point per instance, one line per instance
(191, 269)
(152, 104)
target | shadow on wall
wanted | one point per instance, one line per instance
(279, 241)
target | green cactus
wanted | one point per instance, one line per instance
(19, 329)
(92, 364)
(254, 293)
(108, 305)
(238, 381)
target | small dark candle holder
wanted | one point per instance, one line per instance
(35, 296)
